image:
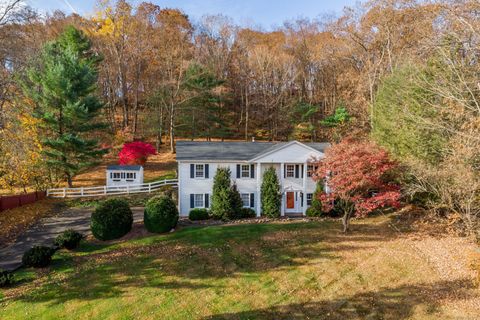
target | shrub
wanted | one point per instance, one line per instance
(313, 212)
(236, 203)
(247, 213)
(270, 194)
(198, 214)
(38, 257)
(112, 219)
(161, 214)
(69, 239)
(6, 278)
(221, 207)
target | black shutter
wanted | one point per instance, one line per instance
(206, 171)
(284, 171)
(252, 171)
(252, 200)
(301, 199)
(206, 201)
(192, 171)
(192, 200)
(238, 171)
(303, 169)
(297, 175)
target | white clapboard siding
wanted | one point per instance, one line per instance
(109, 190)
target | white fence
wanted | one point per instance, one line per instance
(109, 190)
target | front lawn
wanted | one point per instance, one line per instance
(287, 270)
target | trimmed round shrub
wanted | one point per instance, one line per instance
(69, 239)
(38, 257)
(6, 278)
(247, 213)
(313, 212)
(198, 214)
(112, 219)
(160, 215)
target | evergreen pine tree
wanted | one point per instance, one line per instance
(221, 207)
(236, 203)
(270, 194)
(316, 210)
(63, 86)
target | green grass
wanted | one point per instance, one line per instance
(256, 271)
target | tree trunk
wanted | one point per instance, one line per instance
(172, 134)
(347, 215)
(69, 179)
(246, 114)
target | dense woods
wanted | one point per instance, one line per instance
(403, 73)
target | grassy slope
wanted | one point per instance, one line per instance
(268, 271)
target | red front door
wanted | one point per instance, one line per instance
(290, 200)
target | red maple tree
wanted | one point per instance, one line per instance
(136, 152)
(359, 179)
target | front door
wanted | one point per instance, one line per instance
(290, 205)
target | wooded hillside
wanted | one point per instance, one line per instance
(403, 73)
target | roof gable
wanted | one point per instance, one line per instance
(292, 151)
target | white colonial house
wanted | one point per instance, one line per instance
(198, 162)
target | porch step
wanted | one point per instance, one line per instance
(293, 214)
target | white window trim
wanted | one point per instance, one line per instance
(287, 171)
(195, 200)
(248, 171)
(311, 199)
(195, 171)
(248, 196)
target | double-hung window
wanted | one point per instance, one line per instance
(309, 199)
(199, 171)
(116, 176)
(199, 199)
(311, 169)
(245, 171)
(245, 199)
(290, 171)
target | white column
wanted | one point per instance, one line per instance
(304, 204)
(259, 184)
(281, 179)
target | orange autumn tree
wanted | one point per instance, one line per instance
(359, 178)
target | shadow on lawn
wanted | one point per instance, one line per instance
(199, 254)
(388, 304)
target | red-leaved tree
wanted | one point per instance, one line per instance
(359, 178)
(136, 152)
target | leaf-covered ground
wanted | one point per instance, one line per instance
(285, 270)
(16, 221)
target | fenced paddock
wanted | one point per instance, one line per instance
(109, 190)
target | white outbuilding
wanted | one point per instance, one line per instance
(120, 175)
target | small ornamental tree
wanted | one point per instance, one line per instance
(136, 152)
(359, 177)
(221, 207)
(270, 194)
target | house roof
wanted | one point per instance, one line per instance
(201, 150)
(124, 168)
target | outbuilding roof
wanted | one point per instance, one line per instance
(244, 151)
(124, 168)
